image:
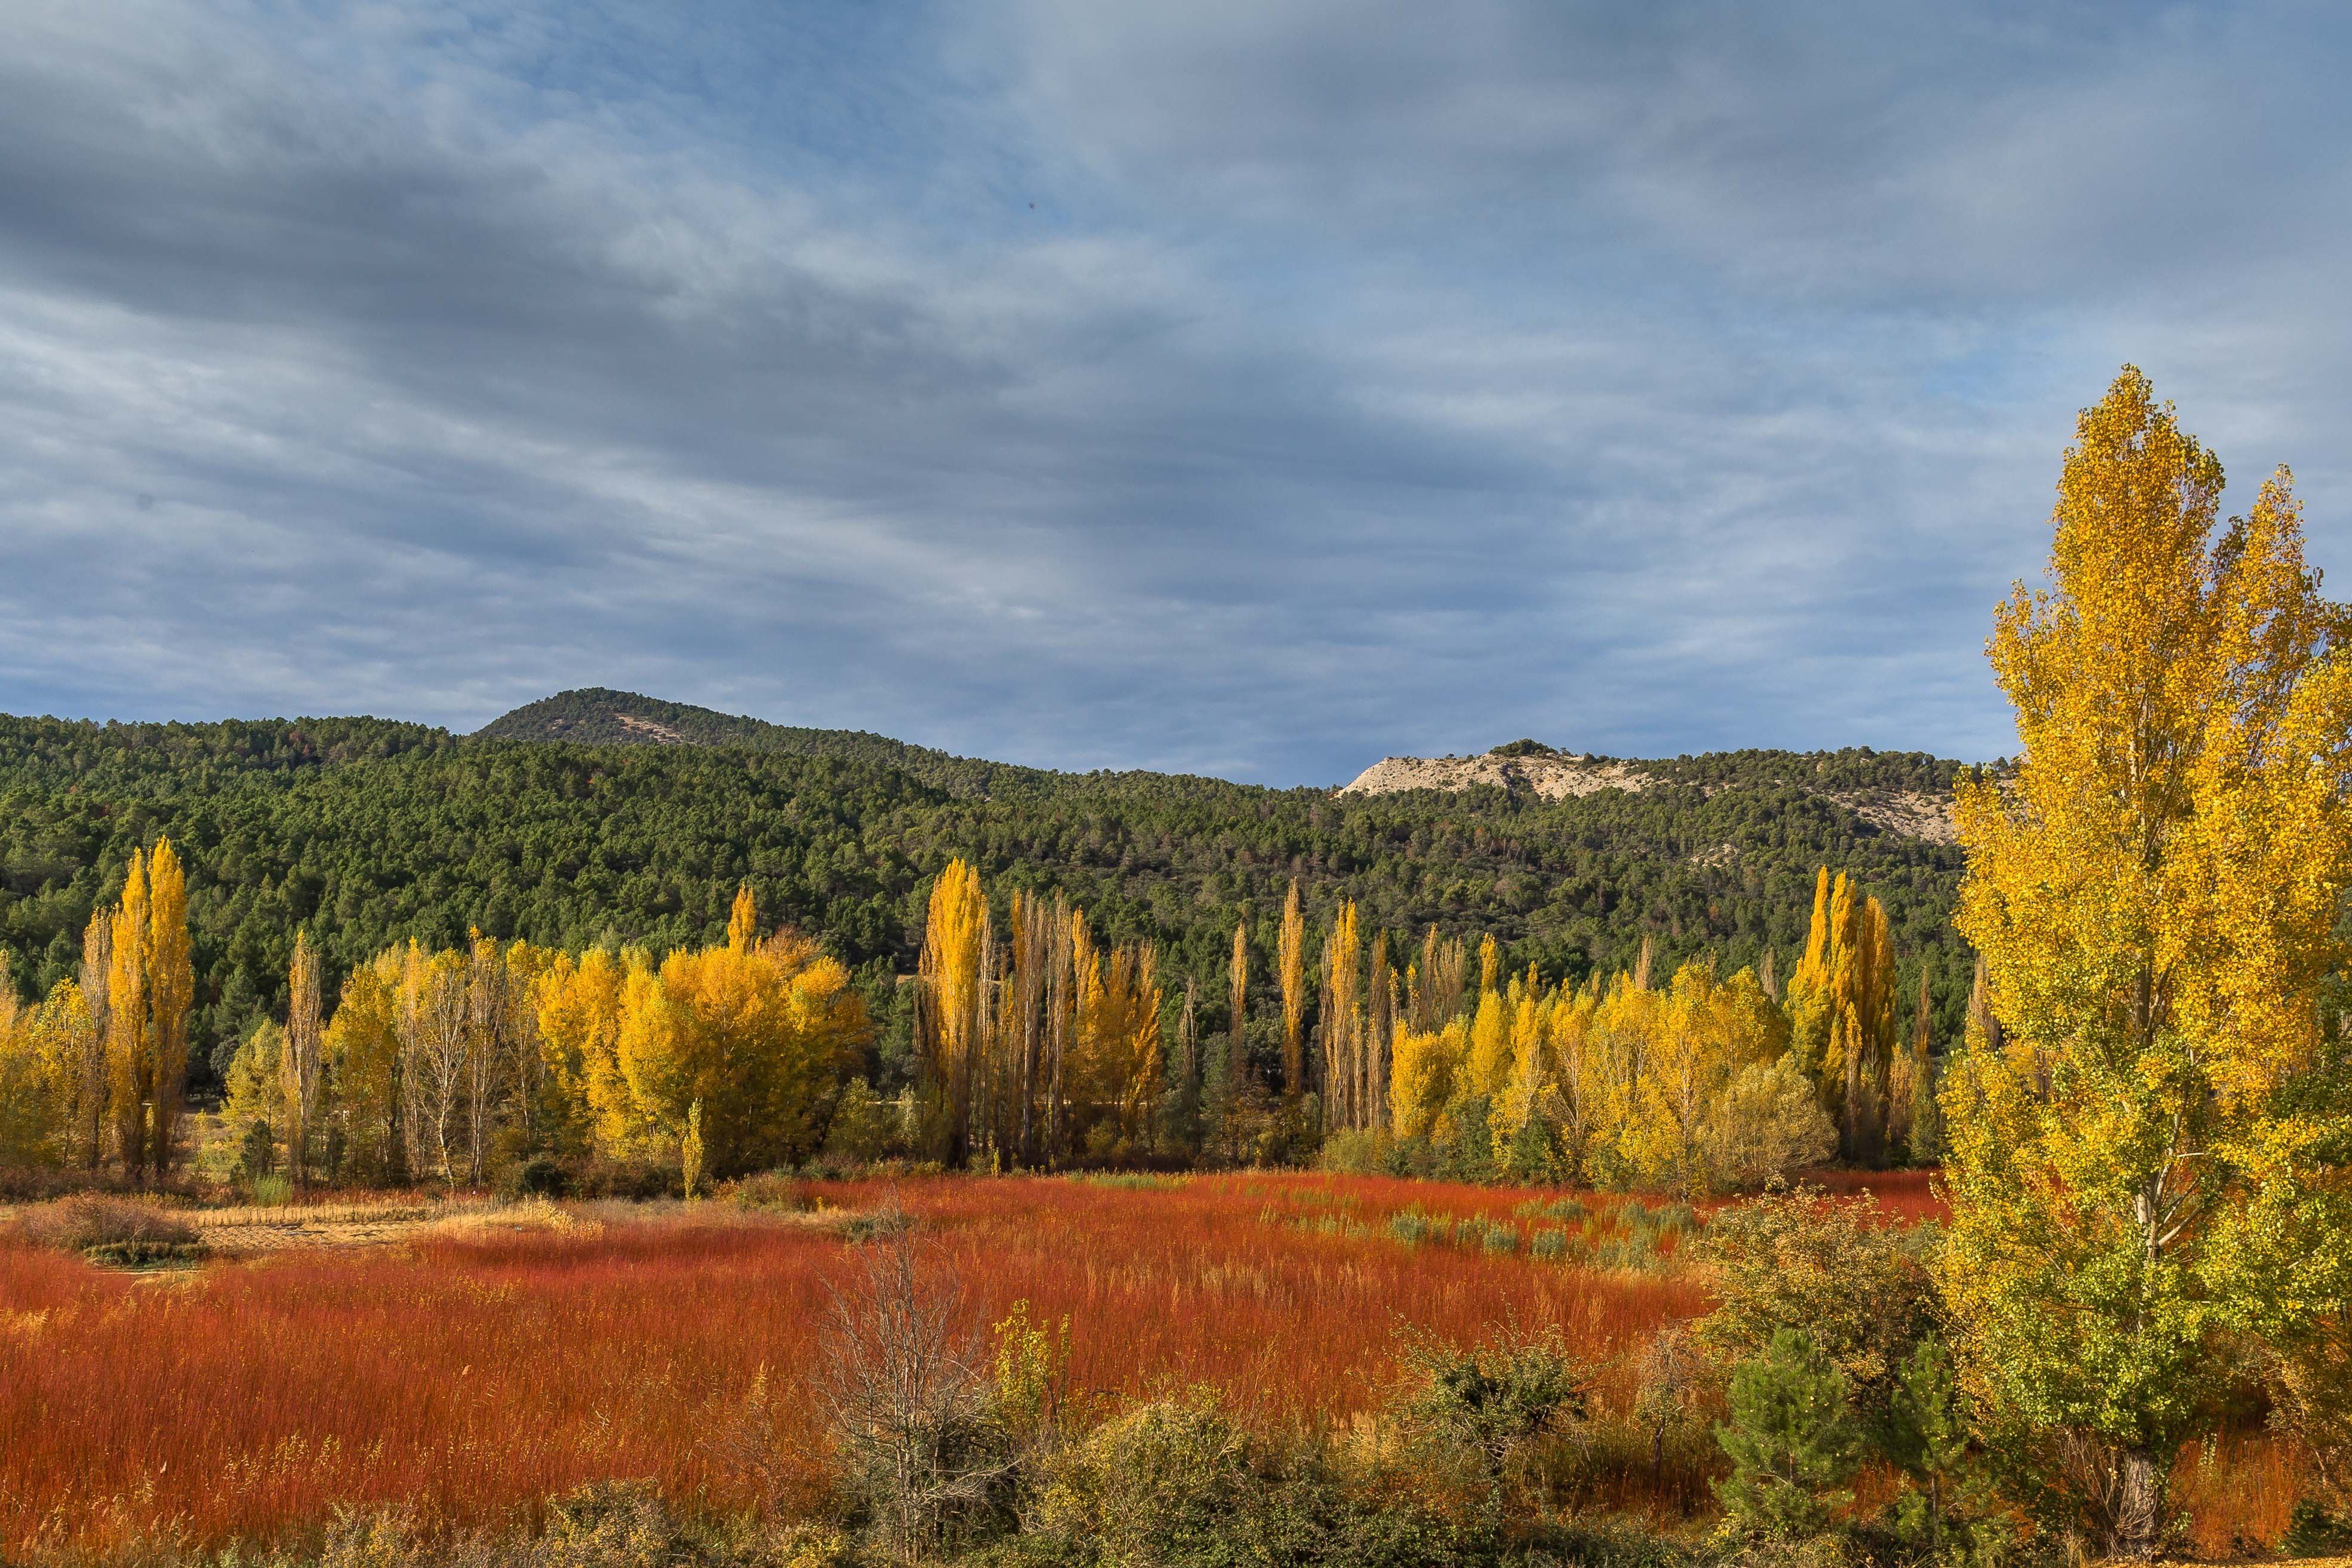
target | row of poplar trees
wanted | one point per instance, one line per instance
(450, 1065)
(95, 1073)
(1037, 1048)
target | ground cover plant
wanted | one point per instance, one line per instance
(472, 1374)
(476, 1370)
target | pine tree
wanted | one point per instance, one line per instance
(1926, 1437)
(1792, 1440)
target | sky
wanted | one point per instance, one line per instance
(1255, 389)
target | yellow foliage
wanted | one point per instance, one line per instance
(1682, 1090)
(1423, 1076)
(2157, 897)
(760, 1036)
(1290, 964)
(1489, 1065)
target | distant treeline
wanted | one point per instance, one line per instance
(367, 833)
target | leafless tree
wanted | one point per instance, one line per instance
(1670, 1372)
(905, 1394)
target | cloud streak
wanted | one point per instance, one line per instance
(1244, 390)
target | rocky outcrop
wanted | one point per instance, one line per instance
(1553, 778)
(1914, 813)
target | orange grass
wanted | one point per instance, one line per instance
(472, 1377)
(1906, 1196)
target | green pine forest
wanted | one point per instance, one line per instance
(565, 826)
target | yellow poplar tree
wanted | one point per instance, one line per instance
(28, 1110)
(150, 988)
(362, 1048)
(1342, 1067)
(579, 1003)
(1237, 998)
(171, 993)
(950, 1007)
(742, 921)
(130, 1041)
(300, 1064)
(1842, 1009)
(1422, 1080)
(2157, 1155)
(1290, 959)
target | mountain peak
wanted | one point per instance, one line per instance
(600, 716)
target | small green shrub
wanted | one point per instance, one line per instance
(147, 1253)
(775, 1190)
(874, 1223)
(1492, 1399)
(1357, 1153)
(271, 1191)
(1501, 1238)
(539, 1177)
(1410, 1229)
(1550, 1246)
(1178, 1481)
(112, 1230)
(2313, 1532)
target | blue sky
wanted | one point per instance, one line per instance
(1240, 388)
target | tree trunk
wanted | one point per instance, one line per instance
(2139, 1505)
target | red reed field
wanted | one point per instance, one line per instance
(471, 1376)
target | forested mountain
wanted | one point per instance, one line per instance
(596, 716)
(371, 832)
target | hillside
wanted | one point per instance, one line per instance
(596, 716)
(370, 832)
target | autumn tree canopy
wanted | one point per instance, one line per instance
(2155, 1153)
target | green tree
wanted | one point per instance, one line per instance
(1792, 1439)
(1926, 1437)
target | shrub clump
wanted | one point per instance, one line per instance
(112, 1230)
(776, 1190)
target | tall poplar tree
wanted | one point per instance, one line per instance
(1290, 958)
(130, 1049)
(299, 1063)
(951, 1006)
(170, 995)
(1237, 999)
(2157, 1155)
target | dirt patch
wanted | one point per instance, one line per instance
(247, 1232)
(1914, 814)
(648, 729)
